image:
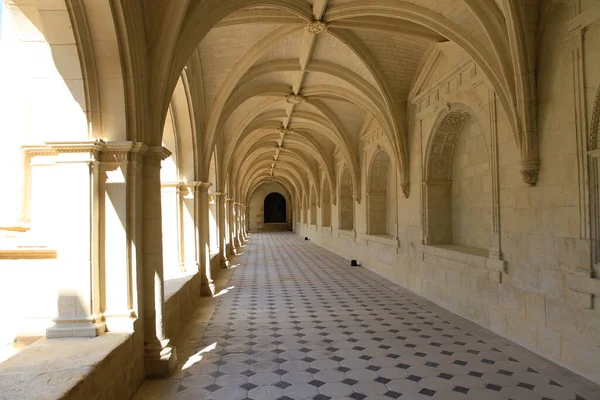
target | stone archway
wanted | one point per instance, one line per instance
(275, 210)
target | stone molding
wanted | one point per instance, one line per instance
(155, 155)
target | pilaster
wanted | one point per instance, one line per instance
(221, 213)
(120, 215)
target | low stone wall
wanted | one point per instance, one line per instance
(110, 366)
(180, 305)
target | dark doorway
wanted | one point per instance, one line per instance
(275, 211)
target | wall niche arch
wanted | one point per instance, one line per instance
(325, 204)
(458, 189)
(377, 194)
(346, 202)
(313, 205)
(275, 208)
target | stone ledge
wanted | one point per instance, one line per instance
(27, 253)
(473, 256)
(75, 368)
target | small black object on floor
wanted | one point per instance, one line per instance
(354, 263)
(305, 237)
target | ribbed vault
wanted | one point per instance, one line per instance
(279, 87)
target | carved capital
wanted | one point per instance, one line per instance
(294, 99)
(156, 154)
(316, 27)
(530, 171)
(405, 189)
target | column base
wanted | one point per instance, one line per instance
(65, 328)
(207, 289)
(224, 262)
(231, 250)
(160, 360)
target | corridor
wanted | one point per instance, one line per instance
(297, 322)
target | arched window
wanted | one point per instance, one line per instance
(313, 206)
(346, 203)
(274, 209)
(325, 204)
(377, 196)
(458, 183)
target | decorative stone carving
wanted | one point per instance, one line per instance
(455, 121)
(405, 189)
(294, 99)
(530, 171)
(316, 27)
(595, 125)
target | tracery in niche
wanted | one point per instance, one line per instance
(346, 204)
(379, 204)
(458, 184)
(325, 204)
(313, 206)
(274, 208)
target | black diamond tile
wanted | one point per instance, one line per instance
(487, 361)
(248, 386)
(373, 368)
(308, 359)
(337, 359)
(553, 383)
(493, 387)
(443, 375)
(403, 366)
(212, 388)
(365, 357)
(248, 373)
(414, 378)
(217, 374)
(427, 392)
(432, 364)
(383, 380)
(393, 395)
(532, 370)
(321, 397)
(505, 372)
(281, 372)
(461, 389)
(282, 384)
(475, 373)
(525, 385)
(357, 396)
(312, 370)
(343, 369)
(420, 354)
(316, 383)
(350, 382)
(447, 353)
(460, 362)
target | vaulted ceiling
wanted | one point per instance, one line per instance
(287, 84)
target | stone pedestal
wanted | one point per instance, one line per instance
(72, 203)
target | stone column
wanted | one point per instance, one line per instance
(231, 226)
(222, 230)
(188, 217)
(207, 286)
(121, 173)
(160, 356)
(74, 202)
(243, 216)
(237, 232)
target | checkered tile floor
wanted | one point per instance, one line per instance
(300, 323)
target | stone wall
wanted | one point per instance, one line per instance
(520, 279)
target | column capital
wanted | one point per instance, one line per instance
(73, 151)
(215, 194)
(156, 154)
(123, 151)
